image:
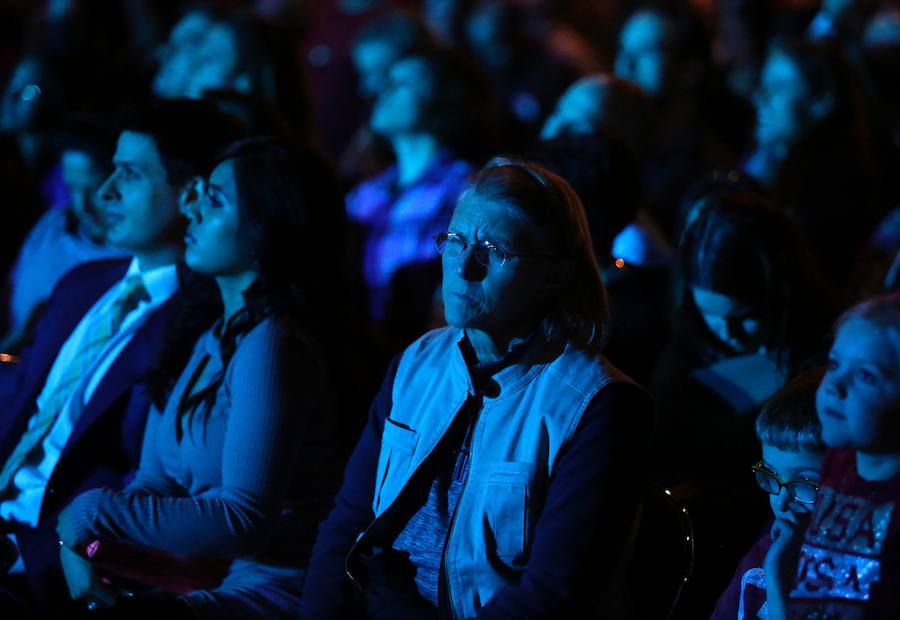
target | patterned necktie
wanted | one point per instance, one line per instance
(99, 332)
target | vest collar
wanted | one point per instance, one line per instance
(538, 353)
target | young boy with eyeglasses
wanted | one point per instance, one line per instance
(792, 457)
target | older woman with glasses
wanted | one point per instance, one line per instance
(500, 467)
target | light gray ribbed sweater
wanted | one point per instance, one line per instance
(229, 488)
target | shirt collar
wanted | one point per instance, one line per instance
(160, 282)
(480, 372)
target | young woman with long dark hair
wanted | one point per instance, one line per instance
(235, 463)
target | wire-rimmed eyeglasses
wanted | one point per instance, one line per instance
(487, 253)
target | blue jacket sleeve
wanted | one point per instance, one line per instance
(592, 500)
(326, 587)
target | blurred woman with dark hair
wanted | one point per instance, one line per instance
(494, 439)
(67, 237)
(212, 50)
(238, 454)
(751, 312)
(814, 150)
(380, 43)
(430, 111)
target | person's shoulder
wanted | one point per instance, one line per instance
(452, 174)
(111, 268)
(585, 368)
(272, 330)
(367, 199)
(617, 391)
(619, 394)
(758, 552)
(460, 167)
(276, 340)
(51, 224)
(380, 181)
(97, 274)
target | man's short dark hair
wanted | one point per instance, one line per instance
(188, 134)
(789, 420)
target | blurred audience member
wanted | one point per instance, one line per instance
(526, 77)
(64, 238)
(379, 44)
(604, 174)
(447, 19)
(428, 109)
(607, 106)
(382, 42)
(30, 116)
(178, 56)
(324, 55)
(739, 46)
(604, 103)
(664, 49)
(228, 50)
(814, 150)
(751, 313)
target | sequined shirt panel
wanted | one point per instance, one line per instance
(850, 560)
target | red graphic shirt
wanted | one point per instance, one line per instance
(849, 565)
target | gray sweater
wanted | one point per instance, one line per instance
(246, 482)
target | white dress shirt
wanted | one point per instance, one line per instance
(32, 477)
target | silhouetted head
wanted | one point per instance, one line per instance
(603, 104)
(383, 41)
(663, 48)
(437, 92)
(802, 85)
(87, 145)
(606, 177)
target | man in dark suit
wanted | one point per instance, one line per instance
(75, 412)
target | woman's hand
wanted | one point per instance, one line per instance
(780, 565)
(64, 529)
(84, 585)
(72, 525)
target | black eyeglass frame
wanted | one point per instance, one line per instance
(790, 485)
(482, 249)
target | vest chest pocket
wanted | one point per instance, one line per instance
(509, 504)
(398, 443)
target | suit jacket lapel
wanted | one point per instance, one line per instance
(124, 373)
(59, 324)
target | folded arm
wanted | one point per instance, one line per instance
(273, 393)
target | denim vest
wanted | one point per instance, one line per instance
(522, 426)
